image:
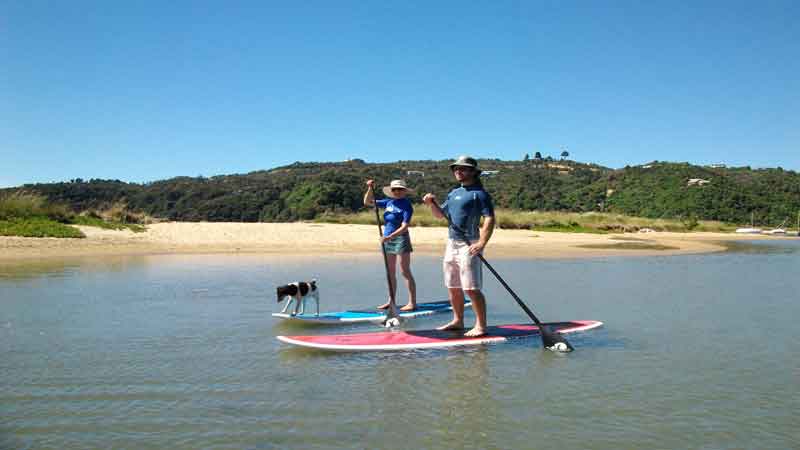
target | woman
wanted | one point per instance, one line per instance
(396, 240)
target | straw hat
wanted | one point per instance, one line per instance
(397, 184)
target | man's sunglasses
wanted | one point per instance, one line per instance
(462, 169)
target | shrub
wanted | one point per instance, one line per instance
(21, 205)
(38, 227)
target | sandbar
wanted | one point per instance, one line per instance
(305, 238)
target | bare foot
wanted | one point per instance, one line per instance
(452, 325)
(409, 307)
(476, 332)
(384, 306)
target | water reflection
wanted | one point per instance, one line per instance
(66, 267)
(465, 406)
(21, 270)
(784, 246)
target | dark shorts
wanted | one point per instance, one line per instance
(398, 245)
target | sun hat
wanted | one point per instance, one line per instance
(396, 184)
(465, 161)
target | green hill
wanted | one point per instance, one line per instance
(659, 190)
(302, 191)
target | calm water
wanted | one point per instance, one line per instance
(179, 352)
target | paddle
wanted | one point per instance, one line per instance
(392, 318)
(553, 341)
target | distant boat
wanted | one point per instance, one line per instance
(752, 229)
(779, 230)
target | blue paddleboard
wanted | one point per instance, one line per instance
(367, 315)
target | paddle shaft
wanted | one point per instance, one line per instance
(508, 288)
(383, 249)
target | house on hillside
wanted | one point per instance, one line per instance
(489, 173)
(717, 166)
(417, 173)
(697, 182)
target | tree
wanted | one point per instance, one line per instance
(527, 157)
(564, 154)
(537, 155)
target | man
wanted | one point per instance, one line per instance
(464, 208)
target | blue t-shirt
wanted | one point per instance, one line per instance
(396, 211)
(465, 206)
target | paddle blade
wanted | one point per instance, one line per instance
(393, 322)
(392, 318)
(554, 341)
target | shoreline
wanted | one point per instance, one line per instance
(309, 239)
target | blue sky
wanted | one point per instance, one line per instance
(148, 90)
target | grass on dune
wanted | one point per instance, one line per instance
(30, 215)
(27, 206)
(550, 221)
(38, 227)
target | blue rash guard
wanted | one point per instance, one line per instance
(465, 206)
(397, 211)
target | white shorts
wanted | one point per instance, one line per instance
(461, 270)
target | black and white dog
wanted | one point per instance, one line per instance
(298, 292)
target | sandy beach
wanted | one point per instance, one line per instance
(315, 238)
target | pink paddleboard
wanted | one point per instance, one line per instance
(419, 339)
